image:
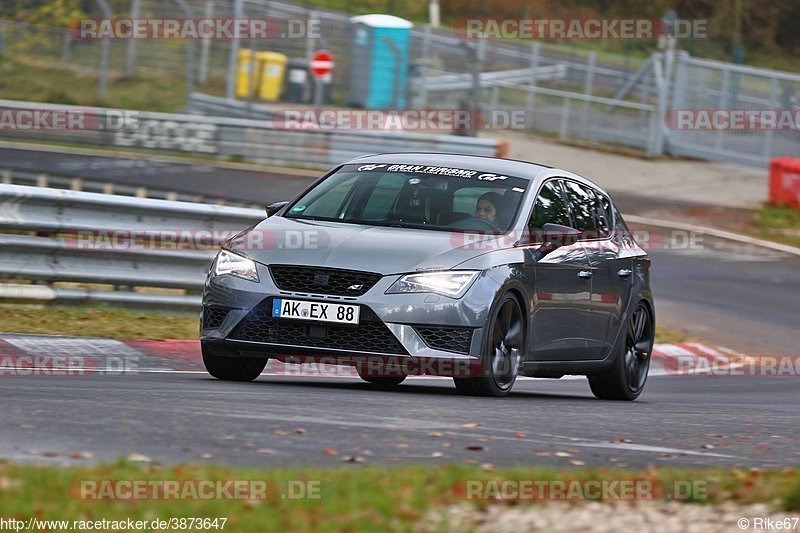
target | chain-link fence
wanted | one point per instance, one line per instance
(565, 92)
(752, 97)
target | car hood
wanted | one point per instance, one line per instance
(384, 250)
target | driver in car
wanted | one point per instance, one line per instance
(487, 206)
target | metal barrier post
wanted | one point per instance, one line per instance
(66, 48)
(189, 52)
(2, 38)
(563, 132)
(105, 50)
(233, 56)
(587, 92)
(766, 148)
(205, 45)
(426, 64)
(723, 103)
(130, 59)
(529, 105)
(662, 87)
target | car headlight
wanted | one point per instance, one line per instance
(453, 283)
(235, 265)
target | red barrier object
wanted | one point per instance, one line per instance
(784, 181)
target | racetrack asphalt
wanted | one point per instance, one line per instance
(291, 421)
(727, 294)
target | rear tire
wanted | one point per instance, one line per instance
(502, 350)
(627, 377)
(233, 368)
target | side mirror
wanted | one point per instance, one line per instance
(275, 207)
(556, 235)
(552, 237)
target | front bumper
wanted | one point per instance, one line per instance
(228, 301)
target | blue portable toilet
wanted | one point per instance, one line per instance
(379, 61)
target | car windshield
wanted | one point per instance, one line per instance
(414, 196)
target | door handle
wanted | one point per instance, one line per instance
(585, 274)
(624, 273)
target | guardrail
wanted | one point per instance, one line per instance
(91, 238)
(251, 140)
(11, 176)
(455, 82)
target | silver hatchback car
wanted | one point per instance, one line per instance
(479, 268)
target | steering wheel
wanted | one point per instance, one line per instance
(475, 223)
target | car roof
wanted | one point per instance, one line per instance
(521, 169)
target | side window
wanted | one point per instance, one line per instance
(604, 216)
(583, 206)
(549, 207)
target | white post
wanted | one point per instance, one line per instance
(205, 46)
(433, 13)
(233, 57)
(130, 59)
(587, 92)
(535, 54)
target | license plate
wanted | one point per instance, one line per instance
(317, 311)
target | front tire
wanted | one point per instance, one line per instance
(627, 377)
(233, 368)
(504, 343)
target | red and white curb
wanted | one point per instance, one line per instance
(23, 354)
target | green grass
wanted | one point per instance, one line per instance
(664, 335)
(100, 321)
(36, 82)
(351, 498)
(114, 322)
(779, 223)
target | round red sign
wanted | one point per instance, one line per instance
(322, 63)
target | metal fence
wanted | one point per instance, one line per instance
(712, 85)
(250, 140)
(56, 238)
(569, 93)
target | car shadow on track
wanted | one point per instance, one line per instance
(438, 388)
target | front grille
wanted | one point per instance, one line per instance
(317, 280)
(371, 335)
(450, 339)
(213, 317)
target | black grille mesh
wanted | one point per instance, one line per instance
(213, 317)
(371, 335)
(315, 280)
(450, 339)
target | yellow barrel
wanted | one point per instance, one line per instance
(245, 84)
(272, 66)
